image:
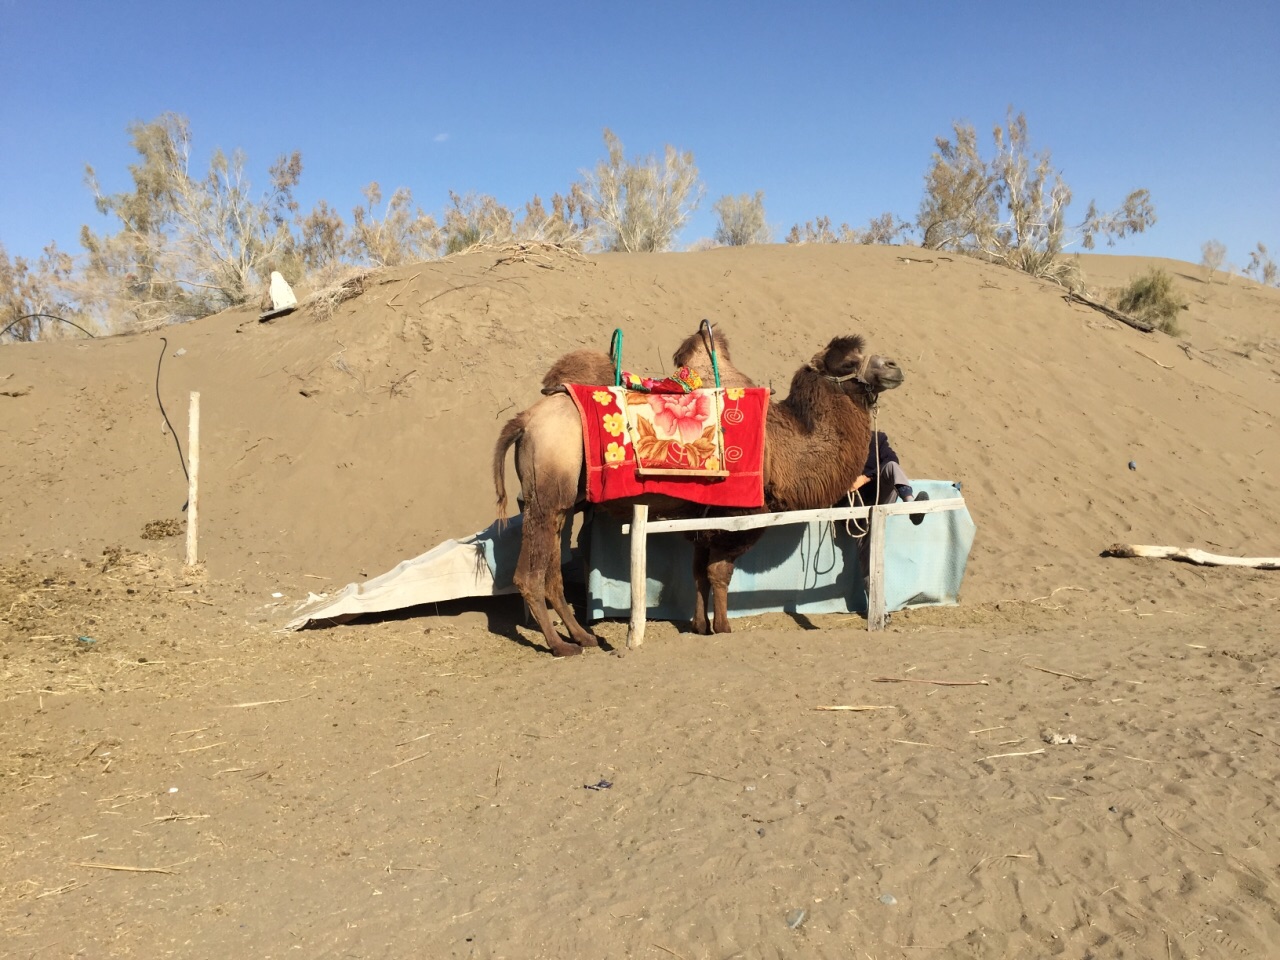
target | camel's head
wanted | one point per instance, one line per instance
(846, 363)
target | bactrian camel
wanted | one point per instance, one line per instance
(815, 445)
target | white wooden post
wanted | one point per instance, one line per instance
(639, 574)
(193, 478)
(876, 613)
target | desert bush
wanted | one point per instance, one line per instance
(640, 205)
(884, 229)
(334, 285)
(1011, 209)
(404, 234)
(321, 240)
(1152, 296)
(820, 231)
(740, 220)
(29, 297)
(1212, 255)
(475, 219)
(1261, 267)
(566, 224)
(185, 246)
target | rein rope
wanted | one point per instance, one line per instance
(853, 526)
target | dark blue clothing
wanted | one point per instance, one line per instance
(878, 455)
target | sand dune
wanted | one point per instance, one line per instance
(334, 447)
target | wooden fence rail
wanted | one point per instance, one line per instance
(641, 527)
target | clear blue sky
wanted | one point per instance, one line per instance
(829, 108)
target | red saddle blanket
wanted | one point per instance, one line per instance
(706, 446)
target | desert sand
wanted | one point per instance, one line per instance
(181, 778)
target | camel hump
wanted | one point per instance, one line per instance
(581, 366)
(695, 353)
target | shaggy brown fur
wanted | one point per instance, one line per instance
(816, 443)
(580, 366)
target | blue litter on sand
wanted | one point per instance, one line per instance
(86, 639)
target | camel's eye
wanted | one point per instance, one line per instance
(847, 364)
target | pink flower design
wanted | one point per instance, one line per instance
(680, 416)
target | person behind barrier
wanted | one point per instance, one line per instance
(883, 480)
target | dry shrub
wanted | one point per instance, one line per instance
(344, 283)
(740, 220)
(1212, 255)
(475, 220)
(1152, 297)
(1261, 267)
(1011, 209)
(186, 246)
(883, 230)
(640, 205)
(566, 225)
(404, 234)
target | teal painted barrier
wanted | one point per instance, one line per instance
(800, 568)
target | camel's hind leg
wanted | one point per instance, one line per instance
(719, 573)
(701, 557)
(539, 553)
(549, 464)
(724, 550)
(554, 588)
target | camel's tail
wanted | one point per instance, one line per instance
(511, 432)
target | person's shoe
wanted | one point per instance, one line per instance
(918, 518)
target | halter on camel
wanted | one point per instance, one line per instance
(853, 527)
(859, 377)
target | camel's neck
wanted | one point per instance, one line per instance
(814, 453)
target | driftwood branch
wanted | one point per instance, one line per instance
(1191, 555)
(1143, 325)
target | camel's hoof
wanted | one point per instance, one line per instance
(566, 650)
(590, 640)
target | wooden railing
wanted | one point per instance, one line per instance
(641, 527)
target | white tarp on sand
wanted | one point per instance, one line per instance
(454, 569)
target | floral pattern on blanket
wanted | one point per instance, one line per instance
(674, 431)
(705, 446)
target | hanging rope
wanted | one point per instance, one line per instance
(853, 526)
